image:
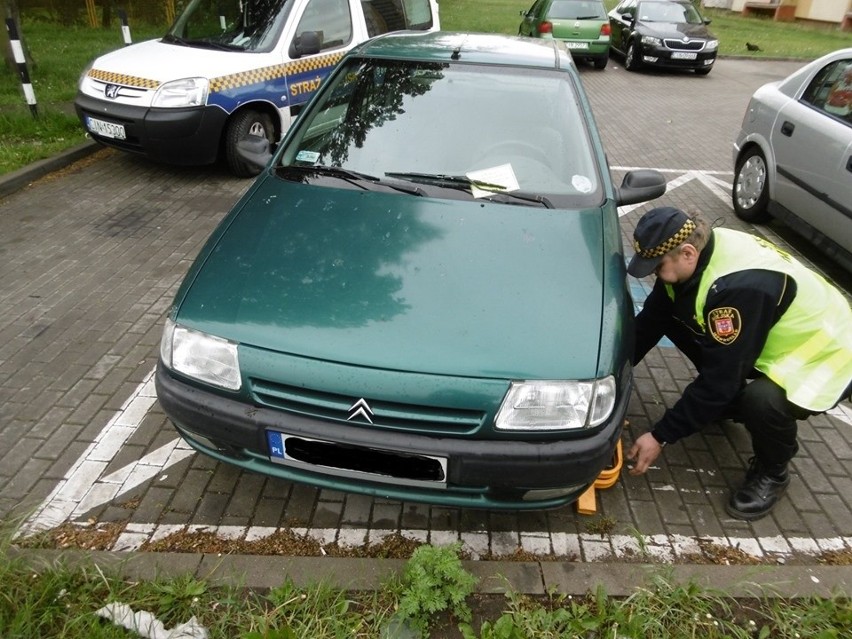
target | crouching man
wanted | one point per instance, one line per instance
(771, 341)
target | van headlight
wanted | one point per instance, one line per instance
(204, 357)
(556, 405)
(187, 92)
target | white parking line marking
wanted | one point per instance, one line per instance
(84, 487)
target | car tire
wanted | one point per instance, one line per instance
(600, 61)
(750, 193)
(631, 58)
(245, 123)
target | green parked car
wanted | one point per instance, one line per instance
(423, 294)
(582, 24)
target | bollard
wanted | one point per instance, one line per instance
(125, 28)
(21, 63)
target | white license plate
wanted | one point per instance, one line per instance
(681, 55)
(577, 45)
(106, 129)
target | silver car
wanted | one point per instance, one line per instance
(793, 155)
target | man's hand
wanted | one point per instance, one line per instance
(645, 450)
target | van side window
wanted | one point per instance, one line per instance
(396, 15)
(831, 90)
(329, 18)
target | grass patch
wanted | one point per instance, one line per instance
(430, 598)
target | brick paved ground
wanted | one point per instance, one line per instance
(91, 258)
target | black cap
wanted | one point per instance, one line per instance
(659, 231)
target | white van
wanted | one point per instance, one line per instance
(227, 69)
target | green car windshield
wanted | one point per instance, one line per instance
(518, 131)
(576, 10)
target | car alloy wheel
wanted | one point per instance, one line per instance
(750, 192)
(631, 59)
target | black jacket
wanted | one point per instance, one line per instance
(761, 297)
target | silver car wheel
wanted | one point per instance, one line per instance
(751, 181)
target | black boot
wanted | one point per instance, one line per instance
(762, 488)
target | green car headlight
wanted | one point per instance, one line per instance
(204, 357)
(556, 405)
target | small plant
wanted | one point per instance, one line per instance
(601, 526)
(433, 581)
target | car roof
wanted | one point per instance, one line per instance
(479, 48)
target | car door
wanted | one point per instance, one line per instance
(812, 139)
(619, 25)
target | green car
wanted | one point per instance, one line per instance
(582, 24)
(423, 295)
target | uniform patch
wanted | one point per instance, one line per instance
(725, 324)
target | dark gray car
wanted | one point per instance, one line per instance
(662, 33)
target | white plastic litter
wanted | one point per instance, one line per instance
(148, 626)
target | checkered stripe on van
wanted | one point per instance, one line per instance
(119, 78)
(253, 76)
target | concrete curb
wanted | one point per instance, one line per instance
(494, 577)
(24, 176)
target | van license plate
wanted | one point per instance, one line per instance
(681, 55)
(106, 129)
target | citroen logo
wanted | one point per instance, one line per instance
(360, 409)
(111, 91)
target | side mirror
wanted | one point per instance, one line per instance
(307, 43)
(640, 185)
(707, 21)
(254, 150)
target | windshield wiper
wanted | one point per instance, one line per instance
(521, 195)
(461, 182)
(205, 44)
(588, 17)
(361, 180)
(464, 183)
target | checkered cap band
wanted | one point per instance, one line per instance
(673, 242)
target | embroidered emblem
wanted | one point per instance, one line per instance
(725, 324)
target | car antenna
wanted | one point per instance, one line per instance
(456, 53)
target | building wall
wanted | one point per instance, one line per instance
(822, 10)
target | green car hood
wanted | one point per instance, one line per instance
(394, 281)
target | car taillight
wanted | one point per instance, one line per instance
(606, 30)
(545, 27)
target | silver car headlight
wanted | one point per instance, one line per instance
(187, 92)
(556, 405)
(711, 45)
(204, 357)
(652, 41)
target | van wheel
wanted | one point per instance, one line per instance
(243, 124)
(750, 194)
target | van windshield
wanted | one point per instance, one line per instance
(238, 25)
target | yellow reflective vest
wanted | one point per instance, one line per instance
(808, 352)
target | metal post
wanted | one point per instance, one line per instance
(21, 63)
(125, 28)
